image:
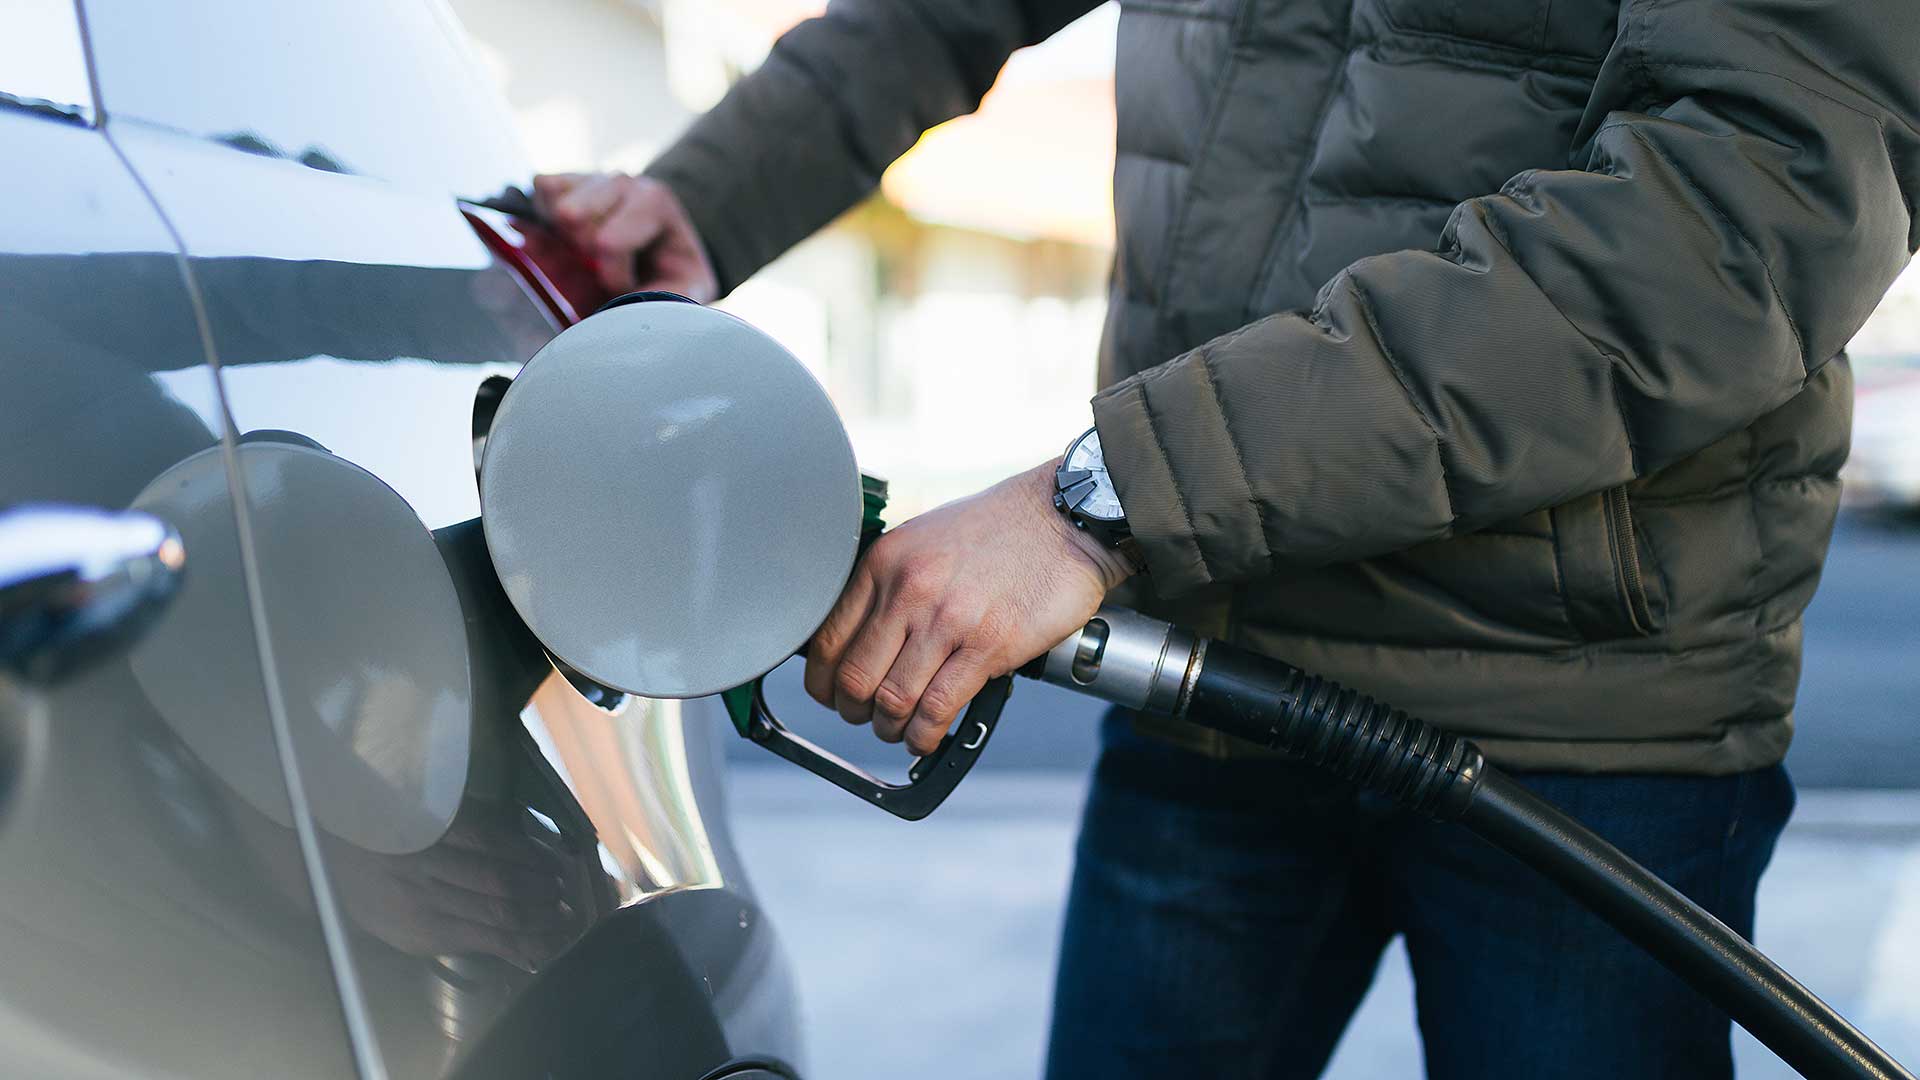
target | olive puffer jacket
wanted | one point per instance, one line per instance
(1485, 356)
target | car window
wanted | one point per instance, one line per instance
(43, 65)
(379, 88)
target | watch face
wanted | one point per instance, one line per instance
(1101, 501)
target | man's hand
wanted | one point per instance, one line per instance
(485, 888)
(951, 599)
(633, 228)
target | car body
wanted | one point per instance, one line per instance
(333, 811)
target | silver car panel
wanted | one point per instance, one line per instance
(468, 864)
(364, 87)
(155, 921)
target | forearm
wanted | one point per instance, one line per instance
(841, 96)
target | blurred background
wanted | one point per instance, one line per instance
(953, 317)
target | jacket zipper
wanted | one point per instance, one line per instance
(1626, 559)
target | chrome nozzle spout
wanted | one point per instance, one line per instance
(1127, 658)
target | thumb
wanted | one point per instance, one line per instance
(549, 187)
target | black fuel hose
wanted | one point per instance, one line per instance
(1722, 965)
(1444, 776)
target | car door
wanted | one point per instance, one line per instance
(156, 912)
(532, 876)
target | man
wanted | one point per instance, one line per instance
(1483, 356)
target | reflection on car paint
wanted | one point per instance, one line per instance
(371, 412)
(139, 928)
(628, 769)
(43, 62)
(379, 89)
(568, 813)
(378, 708)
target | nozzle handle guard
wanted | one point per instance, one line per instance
(932, 778)
(929, 781)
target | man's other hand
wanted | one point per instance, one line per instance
(633, 228)
(952, 598)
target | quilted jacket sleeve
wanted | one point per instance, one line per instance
(808, 134)
(1747, 196)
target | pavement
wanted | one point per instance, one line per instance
(928, 948)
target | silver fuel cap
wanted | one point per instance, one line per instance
(670, 499)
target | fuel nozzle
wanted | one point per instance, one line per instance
(1152, 666)
(1126, 658)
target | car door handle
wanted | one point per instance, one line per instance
(78, 583)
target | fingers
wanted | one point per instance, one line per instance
(549, 187)
(485, 875)
(631, 228)
(831, 640)
(887, 643)
(526, 913)
(628, 245)
(452, 934)
(589, 201)
(899, 693)
(860, 670)
(589, 213)
(497, 836)
(958, 680)
(949, 599)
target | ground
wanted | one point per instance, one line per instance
(927, 949)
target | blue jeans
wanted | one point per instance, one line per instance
(1226, 918)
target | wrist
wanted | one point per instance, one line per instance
(1108, 564)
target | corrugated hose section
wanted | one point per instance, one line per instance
(1373, 745)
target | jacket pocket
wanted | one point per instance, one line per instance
(1607, 580)
(1513, 24)
(1583, 29)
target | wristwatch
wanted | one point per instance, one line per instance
(1084, 492)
